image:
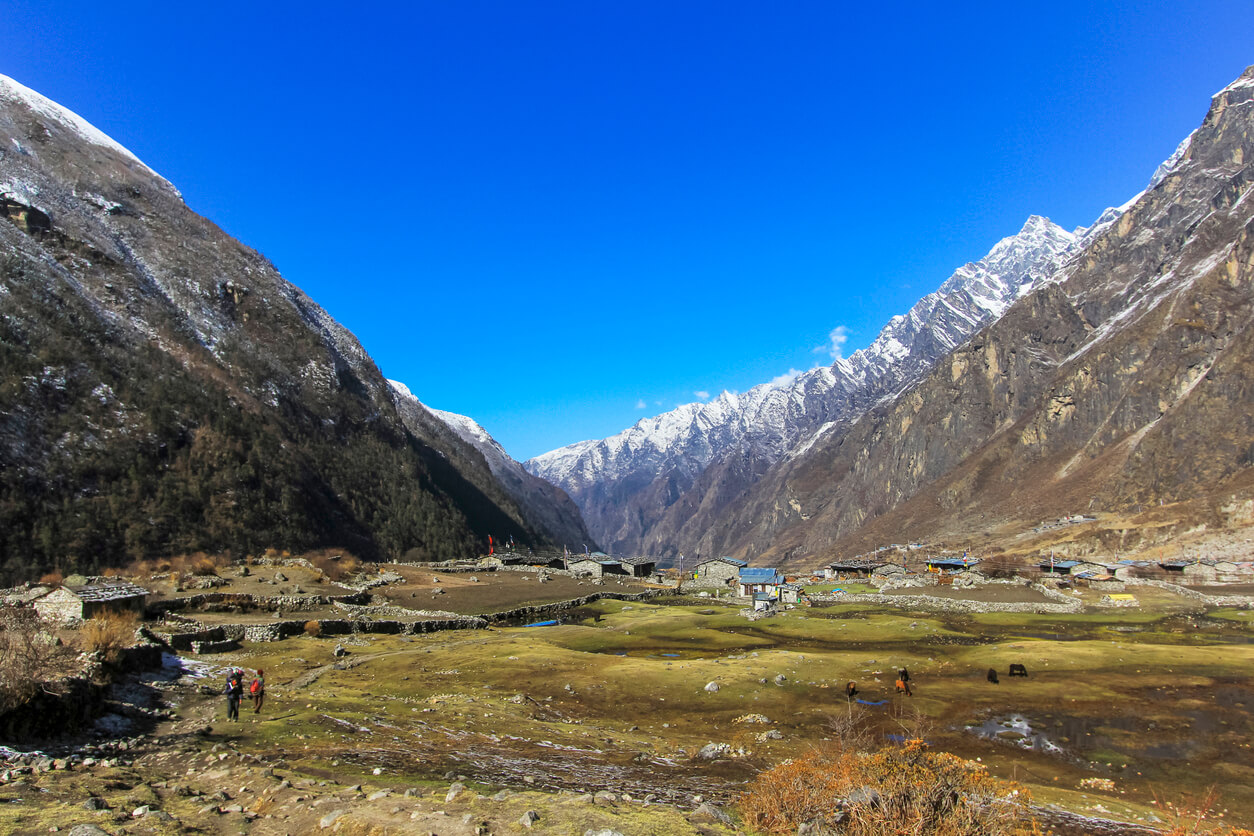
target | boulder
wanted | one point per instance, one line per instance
(713, 751)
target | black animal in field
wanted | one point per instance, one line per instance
(1018, 670)
(992, 676)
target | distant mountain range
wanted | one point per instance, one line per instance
(874, 448)
(165, 390)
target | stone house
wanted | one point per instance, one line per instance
(791, 593)
(81, 602)
(858, 567)
(594, 567)
(717, 571)
(638, 567)
(1200, 573)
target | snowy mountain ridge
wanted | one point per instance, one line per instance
(771, 419)
(12, 91)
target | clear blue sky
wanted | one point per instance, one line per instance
(560, 217)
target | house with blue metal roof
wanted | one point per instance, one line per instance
(951, 564)
(753, 581)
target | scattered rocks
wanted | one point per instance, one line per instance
(330, 819)
(454, 791)
(750, 718)
(711, 687)
(529, 818)
(339, 651)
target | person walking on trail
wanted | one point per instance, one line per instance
(234, 691)
(258, 690)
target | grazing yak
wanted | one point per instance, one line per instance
(992, 676)
(1018, 670)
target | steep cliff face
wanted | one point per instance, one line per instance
(1124, 381)
(656, 487)
(164, 389)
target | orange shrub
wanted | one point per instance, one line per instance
(52, 579)
(313, 629)
(902, 789)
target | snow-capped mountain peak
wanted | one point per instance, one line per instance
(771, 418)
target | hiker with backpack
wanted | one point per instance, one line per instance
(234, 691)
(258, 690)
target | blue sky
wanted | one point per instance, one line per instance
(558, 218)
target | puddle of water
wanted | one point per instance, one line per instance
(1016, 730)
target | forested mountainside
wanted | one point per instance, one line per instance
(1123, 384)
(165, 390)
(548, 508)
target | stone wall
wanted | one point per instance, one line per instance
(1063, 603)
(1244, 602)
(228, 601)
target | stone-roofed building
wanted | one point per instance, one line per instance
(596, 565)
(717, 571)
(638, 567)
(81, 602)
(854, 566)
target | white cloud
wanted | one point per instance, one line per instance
(640, 404)
(703, 395)
(784, 379)
(836, 342)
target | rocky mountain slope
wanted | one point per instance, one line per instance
(1122, 384)
(166, 390)
(701, 477)
(547, 507)
(650, 488)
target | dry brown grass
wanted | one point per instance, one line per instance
(901, 789)
(313, 629)
(335, 564)
(1196, 815)
(109, 633)
(52, 579)
(196, 563)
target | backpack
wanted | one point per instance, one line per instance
(255, 688)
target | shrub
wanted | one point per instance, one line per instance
(313, 629)
(902, 789)
(109, 633)
(335, 564)
(52, 579)
(27, 652)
